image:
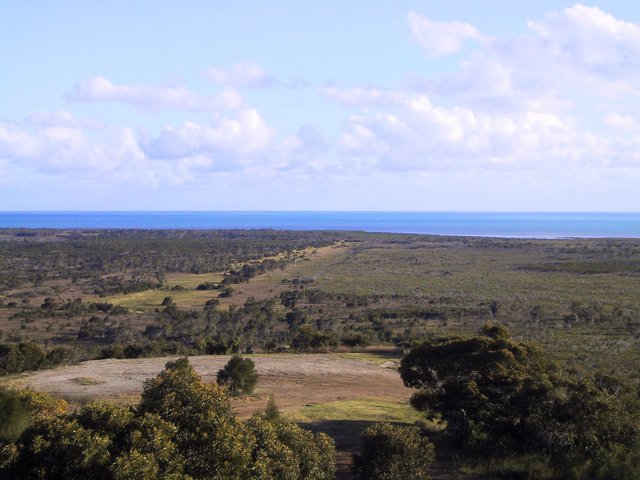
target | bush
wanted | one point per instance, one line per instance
(501, 397)
(271, 411)
(239, 375)
(285, 451)
(14, 418)
(20, 358)
(182, 429)
(391, 452)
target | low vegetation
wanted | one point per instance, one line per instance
(391, 452)
(181, 429)
(553, 397)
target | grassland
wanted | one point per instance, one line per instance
(151, 300)
(367, 410)
(537, 288)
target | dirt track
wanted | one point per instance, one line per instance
(294, 380)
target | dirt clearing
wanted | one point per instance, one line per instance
(294, 380)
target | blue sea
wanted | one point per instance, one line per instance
(512, 225)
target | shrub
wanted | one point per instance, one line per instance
(503, 397)
(391, 452)
(182, 429)
(239, 375)
(14, 418)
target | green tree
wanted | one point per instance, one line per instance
(209, 436)
(182, 429)
(62, 449)
(239, 375)
(391, 452)
(315, 454)
(10, 359)
(505, 397)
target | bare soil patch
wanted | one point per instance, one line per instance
(294, 380)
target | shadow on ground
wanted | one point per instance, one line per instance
(346, 434)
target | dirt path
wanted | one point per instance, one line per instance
(269, 284)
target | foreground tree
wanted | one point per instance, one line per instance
(182, 429)
(209, 435)
(499, 396)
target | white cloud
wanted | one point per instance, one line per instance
(414, 134)
(625, 123)
(229, 142)
(362, 96)
(58, 150)
(250, 75)
(558, 63)
(440, 38)
(591, 40)
(100, 89)
(56, 144)
(60, 118)
(552, 100)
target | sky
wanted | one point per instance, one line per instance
(464, 105)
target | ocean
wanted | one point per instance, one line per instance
(487, 224)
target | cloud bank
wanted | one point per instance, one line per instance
(558, 100)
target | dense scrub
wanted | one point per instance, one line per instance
(392, 452)
(131, 260)
(181, 429)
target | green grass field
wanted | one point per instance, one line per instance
(369, 410)
(150, 300)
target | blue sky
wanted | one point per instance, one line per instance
(359, 105)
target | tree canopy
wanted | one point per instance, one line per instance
(239, 375)
(182, 429)
(499, 396)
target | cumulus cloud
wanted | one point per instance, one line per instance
(414, 134)
(548, 101)
(59, 144)
(70, 151)
(591, 40)
(562, 58)
(60, 118)
(248, 75)
(100, 89)
(230, 143)
(362, 96)
(440, 38)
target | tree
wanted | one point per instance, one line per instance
(505, 397)
(239, 375)
(391, 452)
(61, 448)
(209, 435)
(182, 429)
